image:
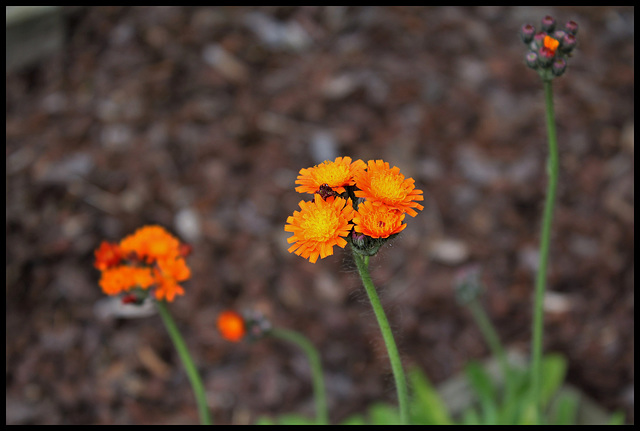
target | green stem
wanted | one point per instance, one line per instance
(322, 414)
(545, 239)
(493, 340)
(491, 337)
(187, 362)
(394, 357)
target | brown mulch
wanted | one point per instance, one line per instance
(199, 119)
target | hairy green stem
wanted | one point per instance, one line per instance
(322, 414)
(187, 362)
(545, 239)
(394, 357)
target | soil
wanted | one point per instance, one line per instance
(199, 119)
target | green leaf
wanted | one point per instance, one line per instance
(566, 409)
(471, 417)
(265, 420)
(516, 396)
(383, 414)
(427, 408)
(356, 419)
(485, 390)
(286, 419)
(617, 418)
(528, 414)
(513, 403)
(480, 380)
(554, 369)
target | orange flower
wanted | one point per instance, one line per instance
(151, 243)
(107, 255)
(123, 278)
(336, 175)
(382, 185)
(319, 226)
(168, 272)
(378, 221)
(551, 44)
(231, 326)
(150, 256)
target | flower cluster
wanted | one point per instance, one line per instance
(357, 202)
(549, 48)
(149, 258)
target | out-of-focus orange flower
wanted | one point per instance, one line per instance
(151, 243)
(168, 272)
(107, 255)
(336, 175)
(150, 257)
(383, 185)
(122, 278)
(231, 326)
(378, 221)
(319, 226)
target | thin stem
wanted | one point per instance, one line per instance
(187, 362)
(491, 336)
(322, 414)
(394, 357)
(493, 340)
(545, 239)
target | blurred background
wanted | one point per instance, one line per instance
(199, 119)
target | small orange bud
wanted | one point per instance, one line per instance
(231, 326)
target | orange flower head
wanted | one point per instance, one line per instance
(382, 185)
(149, 257)
(319, 226)
(168, 272)
(107, 255)
(231, 326)
(336, 175)
(151, 243)
(551, 44)
(378, 221)
(123, 278)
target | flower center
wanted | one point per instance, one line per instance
(388, 185)
(380, 223)
(320, 225)
(332, 174)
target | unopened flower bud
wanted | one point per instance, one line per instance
(567, 43)
(571, 27)
(559, 34)
(538, 39)
(531, 59)
(467, 284)
(548, 24)
(358, 239)
(257, 324)
(232, 326)
(559, 66)
(325, 191)
(527, 32)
